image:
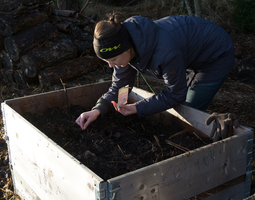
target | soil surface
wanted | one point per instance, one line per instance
(114, 145)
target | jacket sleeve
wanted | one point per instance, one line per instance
(174, 75)
(121, 77)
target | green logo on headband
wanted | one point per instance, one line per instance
(110, 48)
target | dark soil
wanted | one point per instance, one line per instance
(114, 145)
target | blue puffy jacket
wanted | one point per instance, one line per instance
(182, 50)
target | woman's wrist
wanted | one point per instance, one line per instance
(97, 112)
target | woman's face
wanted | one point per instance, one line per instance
(120, 60)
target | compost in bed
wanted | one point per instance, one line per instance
(114, 145)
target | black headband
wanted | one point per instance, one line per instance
(113, 46)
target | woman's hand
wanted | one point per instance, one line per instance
(86, 118)
(127, 109)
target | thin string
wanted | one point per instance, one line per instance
(138, 72)
(146, 82)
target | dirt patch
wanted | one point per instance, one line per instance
(114, 145)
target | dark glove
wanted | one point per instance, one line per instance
(223, 125)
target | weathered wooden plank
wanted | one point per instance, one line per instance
(194, 172)
(191, 116)
(43, 165)
(84, 96)
(228, 193)
(225, 191)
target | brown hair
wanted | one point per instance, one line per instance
(110, 27)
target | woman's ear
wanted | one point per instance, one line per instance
(132, 52)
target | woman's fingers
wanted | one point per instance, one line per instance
(86, 118)
(115, 105)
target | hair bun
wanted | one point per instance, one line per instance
(111, 18)
(114, 17)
